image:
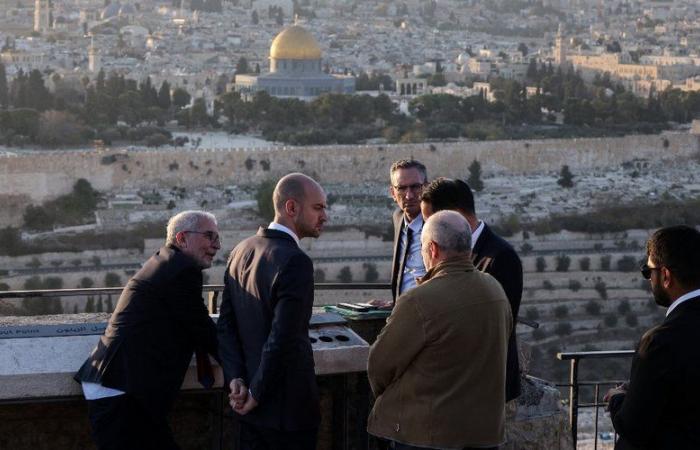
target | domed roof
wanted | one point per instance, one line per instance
(295, 43)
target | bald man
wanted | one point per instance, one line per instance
(263, 327)
(439, 365)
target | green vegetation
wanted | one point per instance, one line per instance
(540, 264)
(37, 306)
(75, 208)
(345, 275)
(474, 180)
(371, 273)
(263, 196)
(563, 263)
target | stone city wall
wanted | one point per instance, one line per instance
(44, 175)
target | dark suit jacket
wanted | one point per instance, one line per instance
(397, 219)
(263, 330)
(661, 409)
(158, 322)
(493, 255)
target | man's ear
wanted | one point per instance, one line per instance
(667, 278)
(433, 249)
(180, 239)
(291, 208)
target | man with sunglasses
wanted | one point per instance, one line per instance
(660, 406)
(133, 376)
(408, 177)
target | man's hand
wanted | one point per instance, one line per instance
(381, 304)
(621, 389)
(239, 393)
(246, 407)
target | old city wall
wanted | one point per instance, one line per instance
(38, 176)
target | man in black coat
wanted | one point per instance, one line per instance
(408, 177)
(491, 254)
(134, 374)
(263, 327)
(660, 407)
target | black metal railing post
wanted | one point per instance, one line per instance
(573, 399)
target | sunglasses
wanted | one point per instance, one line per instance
(210, 235)
(646, 271)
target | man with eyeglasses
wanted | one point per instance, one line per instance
(408, 177)
(263, 327)
(133, 376)
(660, 406)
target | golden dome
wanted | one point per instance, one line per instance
(295, 43)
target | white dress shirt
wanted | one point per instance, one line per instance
(683, 298)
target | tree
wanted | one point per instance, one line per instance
(610, 320)
(593, 308)
(601, 288)
(100, 306)
(254, 19)
(566, 178)
(563, 329)
(627, 264)
(584, 264)
(474, 180)
(198, 113)
(522, 48)
(371, 274)
(86, 282)
(242, 66)
(90, 305)
(112, 280)
(345, 275)
(540, 264)
(605, 263)
(631, 319)
(319, 276)
(575, 285)
(4, 92)
(561, 311)
(563, 263)
(624, 307)
(263, 196)
(181, 98)
(164, 100)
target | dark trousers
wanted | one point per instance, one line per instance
(399, 446)
(252, 437)
(124, 423)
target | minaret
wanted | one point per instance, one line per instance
(560, 47)
(42, 15)
(94, 63)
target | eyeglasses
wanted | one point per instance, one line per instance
(212, 236)
(646, 271)
(411, 187)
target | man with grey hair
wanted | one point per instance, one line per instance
(134, 374)
(438, 367)
(263, 327)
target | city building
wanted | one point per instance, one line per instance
(295, 70)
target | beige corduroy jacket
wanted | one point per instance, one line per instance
(438, 367)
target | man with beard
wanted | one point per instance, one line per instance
(660, 407)
(133, 376)
(263, 327)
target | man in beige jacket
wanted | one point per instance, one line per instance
(438, 367)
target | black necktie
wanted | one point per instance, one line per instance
(406, 254)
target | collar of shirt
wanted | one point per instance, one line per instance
(476, 233)
(685, 297)
(416, 224)
(280, 227)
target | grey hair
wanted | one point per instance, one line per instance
(450, 231)
(185, 221)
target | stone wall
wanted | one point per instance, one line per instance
(43, 175)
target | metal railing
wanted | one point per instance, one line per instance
(212, 291)
(574, 385)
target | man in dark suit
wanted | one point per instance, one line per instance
(263, 327)
(491, 254)
(134, 374)
(408, 177)
(660, 407)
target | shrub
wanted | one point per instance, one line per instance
(371, 274)
(563, 263)
(610, 320)
(584, 263)
(532, 313)
(561, 311)
(624, 307)
(593, 308)
(112, 280)
(627, 264)
(525, 248)
(319, 276)
(540, 264)
(574, 285)
(345, 275)
(605, 263)
(601, 288)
